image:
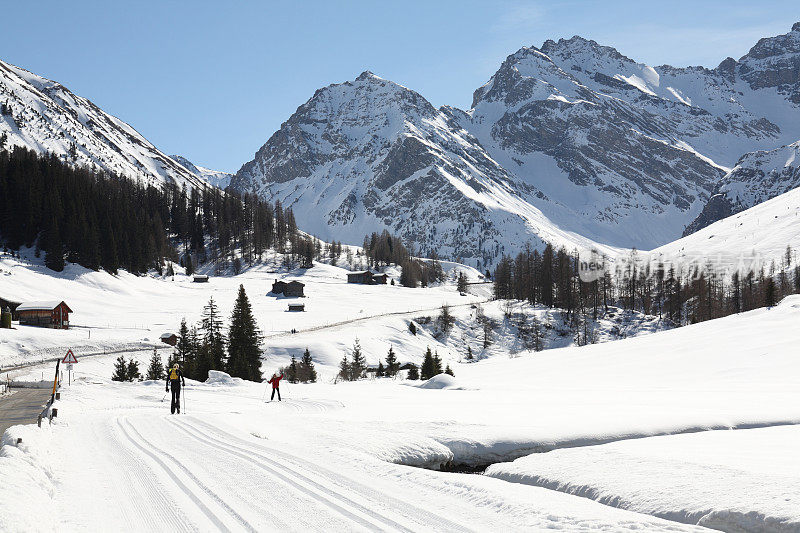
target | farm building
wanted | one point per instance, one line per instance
(367, 278)
(169, 338)
(49, 314)
(200, 278)
(297, 307)
(293, 288)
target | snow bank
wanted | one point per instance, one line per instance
(441, 381)
(744, 480)
(27, 486)
(215, 377)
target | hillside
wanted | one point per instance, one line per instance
(46, 117)
(747, 240)
(757, 177)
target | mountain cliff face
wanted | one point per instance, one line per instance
(45, 116)
(369, 154)
(756, 178)
(570, 143)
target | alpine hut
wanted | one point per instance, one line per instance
(47, 314)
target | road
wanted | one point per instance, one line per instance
(22, 407)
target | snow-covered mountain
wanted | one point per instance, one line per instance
(757, 177)
(628, 151)
(215, 178)
(45, 116)
(369, 154)
(571, 142)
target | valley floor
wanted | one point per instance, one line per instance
(556, 429)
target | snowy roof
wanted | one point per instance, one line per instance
(167, 335)
(45, 305)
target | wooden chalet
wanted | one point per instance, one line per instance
(367, 277)
(297, 307)
(293, 288)
(200, 278)
(46, 314)
(169, 338)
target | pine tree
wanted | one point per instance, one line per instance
(413, 372)
(292, 371)
(182, 348)
(244, 338)
(445, 319)
(307, 371)
(428, 369)
(155, 371)
(359, 364)
(461, 284)
(437, 364)
(380, 372)
(213, 338)
(132, 372)
(54, 258)
(392, 366)
(344, 368)
(449, 371)
(412, 328)
(470, 357)
(120, 370)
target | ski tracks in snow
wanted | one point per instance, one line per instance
(374, 511)
(204, 475)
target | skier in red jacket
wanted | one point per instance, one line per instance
(275, 380)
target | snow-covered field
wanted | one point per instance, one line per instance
(346, 456)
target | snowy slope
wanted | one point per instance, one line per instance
(44, 116)
(747, 240)
(369, 154)
(215, 178)
(757, 177)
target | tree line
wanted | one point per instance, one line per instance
(102, 220)
(700, 293)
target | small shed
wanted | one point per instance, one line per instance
(293, 288)
(278, 287)
(379, 279)
(11, 305)
(201, 278)
(169, 338)
(45, 314)
(297, 307)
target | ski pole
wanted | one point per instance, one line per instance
(165, 395)
(184, 400)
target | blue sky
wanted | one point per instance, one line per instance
(213, 80)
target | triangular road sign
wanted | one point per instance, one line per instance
(69, 358)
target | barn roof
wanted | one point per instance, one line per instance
(167, 335)
(44, 305)
(295, 282)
